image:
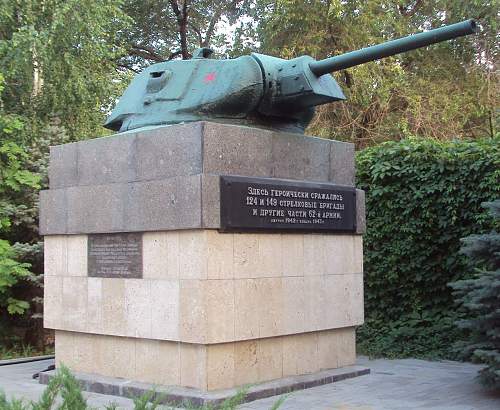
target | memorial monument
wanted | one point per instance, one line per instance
(209, 245)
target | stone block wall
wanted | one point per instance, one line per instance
(208, 287)
(167, 178)
(212, 310)
(206, 367)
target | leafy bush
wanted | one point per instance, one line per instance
(13, 178)
(422, 196)
(11, 271)
(480, 297)
(23, 350)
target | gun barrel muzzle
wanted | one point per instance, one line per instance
(392, 47)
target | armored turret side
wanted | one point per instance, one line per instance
(191, 90)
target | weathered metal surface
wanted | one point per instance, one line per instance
(248, 204)
(257, 90)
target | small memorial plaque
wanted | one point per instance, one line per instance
(276, 204)
(115, 255)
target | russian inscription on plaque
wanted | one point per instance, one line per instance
(269, 203)
(115, 255)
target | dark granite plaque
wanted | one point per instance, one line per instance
(277, 204)
(115, 255)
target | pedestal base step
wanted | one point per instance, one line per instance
(175, 395)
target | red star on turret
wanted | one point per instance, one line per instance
(209, 77)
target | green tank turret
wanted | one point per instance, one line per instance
(257, 90)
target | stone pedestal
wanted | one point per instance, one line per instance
(212, 310)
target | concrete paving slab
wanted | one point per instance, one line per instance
(397, 385)
(17, 381)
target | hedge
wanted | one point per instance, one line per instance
(422, 196)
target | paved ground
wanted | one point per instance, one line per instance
(392, 385)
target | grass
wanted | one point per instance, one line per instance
(64, 393)
(22, 350)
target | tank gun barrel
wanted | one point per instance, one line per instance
(392, 47)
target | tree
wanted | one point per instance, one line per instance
(58, 60)
(13, 178)
(443, 91)
(480, 297)
(164, 30)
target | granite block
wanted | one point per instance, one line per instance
(192, 255)
(192, 312)
(167, 178)
(219, 307)
(202, 147)
(193, 366)
(176, 395)
(210, 201)
(220, 366)
(52, 307)
(236, 150)
(342, 168)
(299, 157)
(55, 255)
(96, 208)
(138, 309)
(360, 211)
(77, 255)
(166, 152)
(113, 308)
(246, 369)
(220, 255)
(246, 315)
(53, 212)
(107, 160)
(174, 203)
(155, 255)
(165, 310)
(63, 166)
(74, 303)
(95, 322)
(292, 247)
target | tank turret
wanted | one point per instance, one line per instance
(257, 90)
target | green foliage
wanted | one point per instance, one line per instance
(64, 393)
(58, 78)
(13, 178)
(57, 59)
(233, 402)
(147, 401)
(479, 296)
(230, 403)
(279, 402)
(63, 386)
(422, 196)
(21, 350)
(166, 30)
